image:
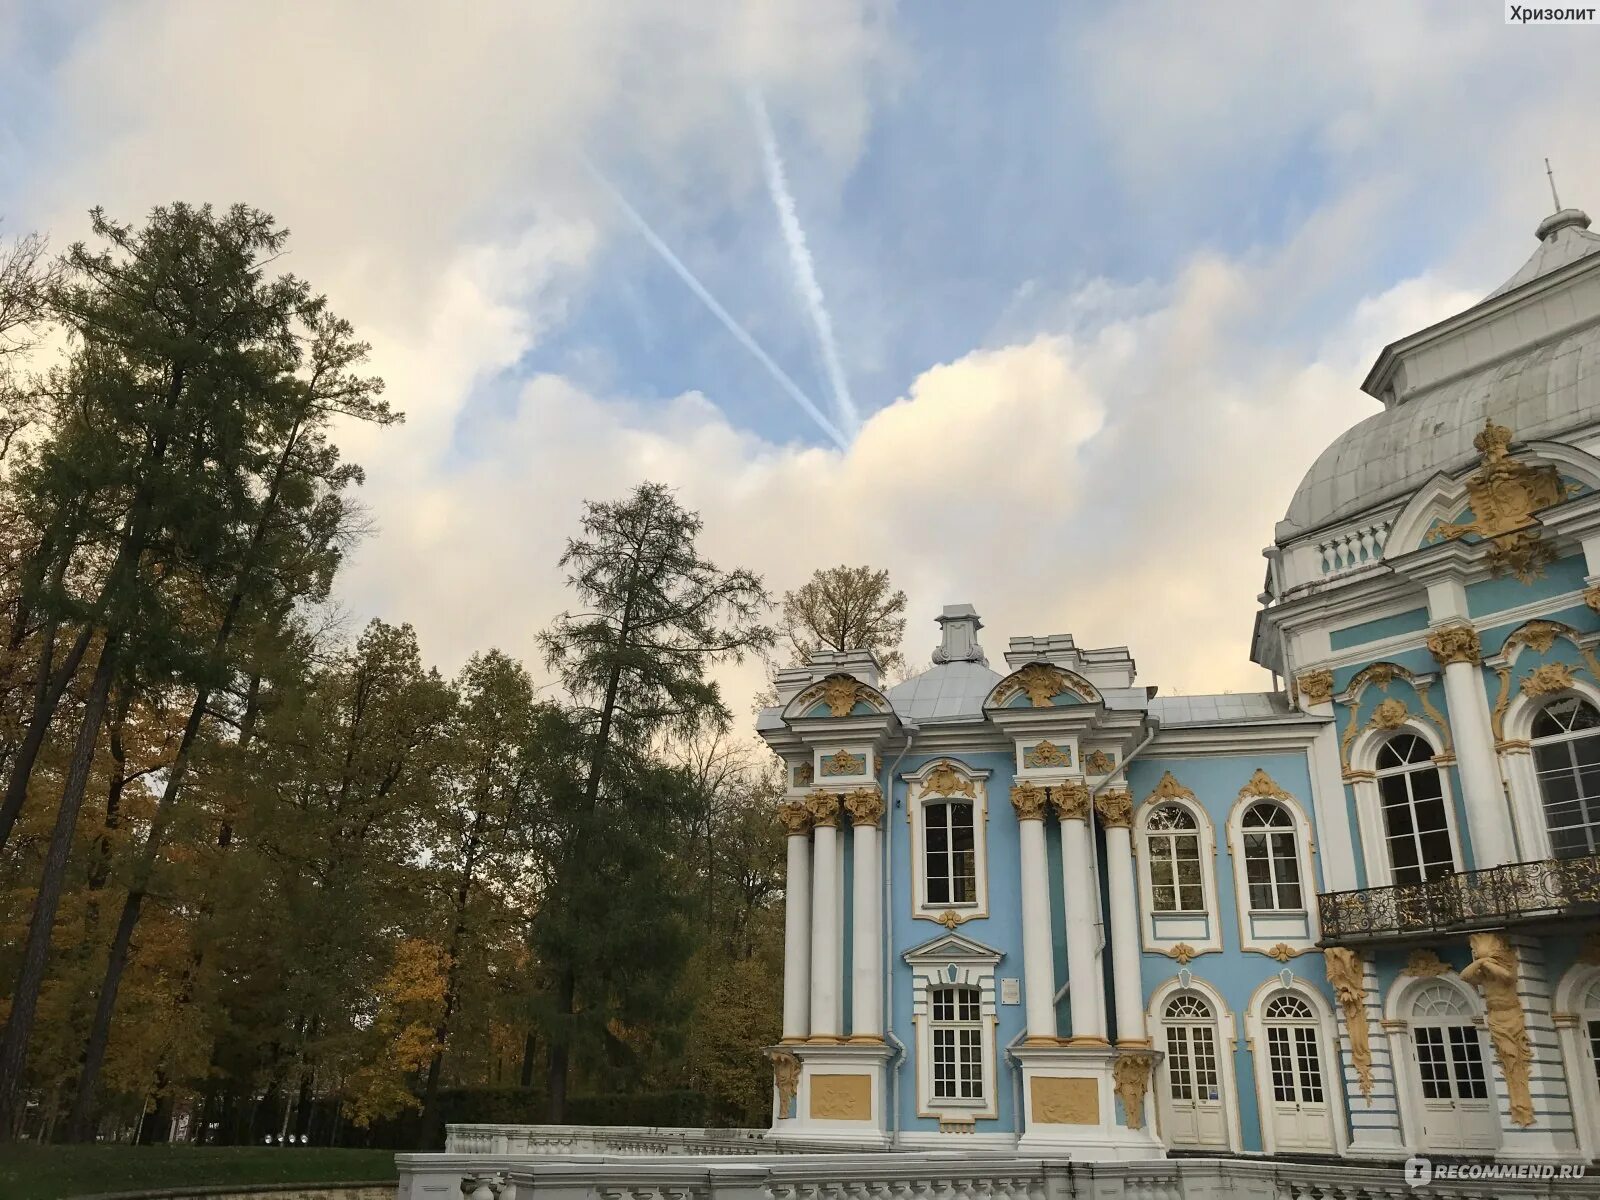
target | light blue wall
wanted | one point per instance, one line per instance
(1496, 595)
(1411, 621)
(1001, 930)
(1235, 975)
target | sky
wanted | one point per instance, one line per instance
(1044, 308)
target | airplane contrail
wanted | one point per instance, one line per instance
(805, 273)
(699, 289)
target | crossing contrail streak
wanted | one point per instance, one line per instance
(805, 273)
(699, 289)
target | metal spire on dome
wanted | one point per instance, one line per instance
(1552, 176)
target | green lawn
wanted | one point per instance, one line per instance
(60, 1172)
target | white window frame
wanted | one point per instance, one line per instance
(918, 798)
(1331, 1064)
(954, 961)
(1369, 802)
(1262, 931)
(1227, 1044)
(966, 1017)
(1577, 1003)
(1162, 933)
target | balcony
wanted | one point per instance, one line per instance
(1515, 894)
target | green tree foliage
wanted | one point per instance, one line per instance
(261, 878)
(846, 608)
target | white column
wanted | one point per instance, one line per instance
(1127, 988)
(1083, 906)
(796, 818)
(1038, 966)
(827, 946)
(865, 806)
(1455, 648)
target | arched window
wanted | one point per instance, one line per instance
(1173, 840)
(957, 1043)
(1566, 755)
(1416, 821)
(1589, 1022)
(1271, 859)
(950, 853)
(1194, 1085)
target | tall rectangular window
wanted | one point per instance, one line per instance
(950, 853)
(957, 1027)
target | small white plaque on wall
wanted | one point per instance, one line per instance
(1011, 991)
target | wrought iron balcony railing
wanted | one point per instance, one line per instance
(1516, 893)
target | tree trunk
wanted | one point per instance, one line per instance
(36, 952)
(529, 1049)
(47, 695)
(441, 1032)
(559, 1053)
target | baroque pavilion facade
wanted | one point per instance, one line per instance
(1033, 904)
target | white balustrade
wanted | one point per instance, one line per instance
(1353, 547)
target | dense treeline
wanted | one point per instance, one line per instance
(263, 875)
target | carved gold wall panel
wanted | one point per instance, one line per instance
(841, 1097)
(1058, 1101)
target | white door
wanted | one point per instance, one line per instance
(1195, 1114)
(1300, 1116)
(1458, 1112)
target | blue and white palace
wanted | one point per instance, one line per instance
(1033, 904)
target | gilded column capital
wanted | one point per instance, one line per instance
(1029, 801)
(796, 817)
(824, 809)
(865, 806)
(1591, 597)
(1316, 686)
(1071, 801)
(1455, 643)
(1115, 809)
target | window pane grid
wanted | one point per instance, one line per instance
(950, 860)
(957, 1043)
(1416, 824)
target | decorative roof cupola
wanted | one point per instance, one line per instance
(958, 641)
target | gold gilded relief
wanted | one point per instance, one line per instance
(1169, 789)
(1347, 974)
(1261, 786)
(1504, 494)
(795, 816)
(1099, 763)
(1058, 1101)
(841, 1097)
(824, 808)
(1455, 644)
(1132, 1075)
(844, 763)
(1493, 971)
(945, 780)
(1047, 754)
(1183, 952)
(1316, 687)
(865, 806)
(1029, 800)
(1547, 678)
(1115, 809)
(1425, 963)
(1071, 801)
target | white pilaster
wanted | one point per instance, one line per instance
(827, 944)
(1083, 906)
(1038, 967)
(796, 818)
(866, 907)
(1116, 814)
(1376, 1104)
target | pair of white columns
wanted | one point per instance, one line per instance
(1082, 904)
(813, 969)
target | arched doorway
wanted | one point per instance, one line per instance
(1457, 1107)
(1296, 1095)
(1195, 1113)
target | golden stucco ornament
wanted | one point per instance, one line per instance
(1347, 974)
(1132, 1074)
(1493, 971)
(1503, 495)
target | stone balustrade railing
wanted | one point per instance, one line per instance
(1353, 547)
(932, 1175)
(550, 1140)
